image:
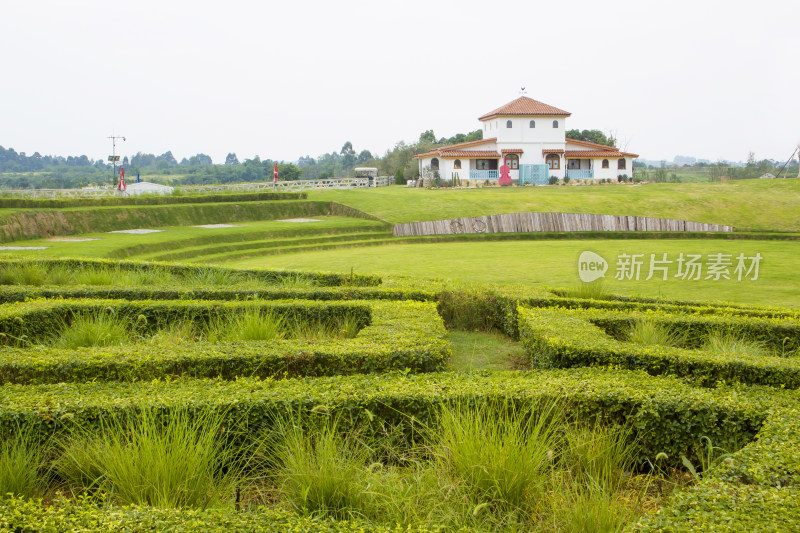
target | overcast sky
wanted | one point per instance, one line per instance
(285, 79)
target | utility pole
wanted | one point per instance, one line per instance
(113, 158)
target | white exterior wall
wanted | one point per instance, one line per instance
(520, 130)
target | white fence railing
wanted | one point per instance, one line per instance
(281, 186)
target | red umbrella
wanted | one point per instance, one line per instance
(276, 173)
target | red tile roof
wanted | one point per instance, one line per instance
(467, 154)
(552, 151)
(511, 151)
(526, 107)
(438, 151)
(598, 154)
(593, 145)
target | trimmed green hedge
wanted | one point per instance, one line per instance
(83, 516)
(266, 276)
(557, 338)
(50, 203)
(667, 415)
(403, 336)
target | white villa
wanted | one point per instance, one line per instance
(529, 137)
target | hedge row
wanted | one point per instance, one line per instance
(50, 203)
(564, 339)
(81, 515)
(562, 298)
(402, 336)
(666, 414)
(267, 276)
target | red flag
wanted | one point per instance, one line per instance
(275, 180)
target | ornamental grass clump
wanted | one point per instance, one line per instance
(733, 343)
(86, 331)
(251, 325)
(503, 454)
(176, 461)
(646, 332)
(22, 465)
(320, 472)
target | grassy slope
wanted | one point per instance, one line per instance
(761, 205)
(171, 237)
(554, 264)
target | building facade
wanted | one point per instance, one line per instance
(529, 137)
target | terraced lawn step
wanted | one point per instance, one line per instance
(376, 240)
(261, 243)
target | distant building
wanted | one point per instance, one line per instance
(529, 137)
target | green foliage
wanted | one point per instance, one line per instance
(502, 453)
(561, 338)
(594, 136)
(646, 332)
(251, 325)
(348, 337)
(144, 460)
(730, 342)
(22, 464)
(87, 331)
(50, 203)
(595, 290)
(320, 472)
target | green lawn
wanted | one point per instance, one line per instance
(554, 264)
(761, 205)
(473, 350)
(175, 237)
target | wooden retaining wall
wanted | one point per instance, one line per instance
(533, 222)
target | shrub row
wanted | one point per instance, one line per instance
(667, 415)
(21, 294)
(266, 276)
(402, 336)
(81, 515)
(50, 203)
(563, 339)
(562, 298)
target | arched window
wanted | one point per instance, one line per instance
(553, 161)
(508, 123)
(555, 123)
(457, 164)
(512, 161)
(621, 164)
(434, 164)
(533, 123)
(605, 163)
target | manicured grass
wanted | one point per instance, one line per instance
(474, 350)
(555, 264)
(176, 237)
(761, 205)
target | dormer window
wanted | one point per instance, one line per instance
(555, 123)
(508, 123)
(533, 123)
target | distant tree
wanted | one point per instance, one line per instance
(364, 156)
(592, 136)
(125, 161)
(427, 136)
(231, 159)
(348, 155)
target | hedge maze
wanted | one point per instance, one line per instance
(387, 377)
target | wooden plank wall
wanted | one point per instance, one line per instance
(533, 222)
